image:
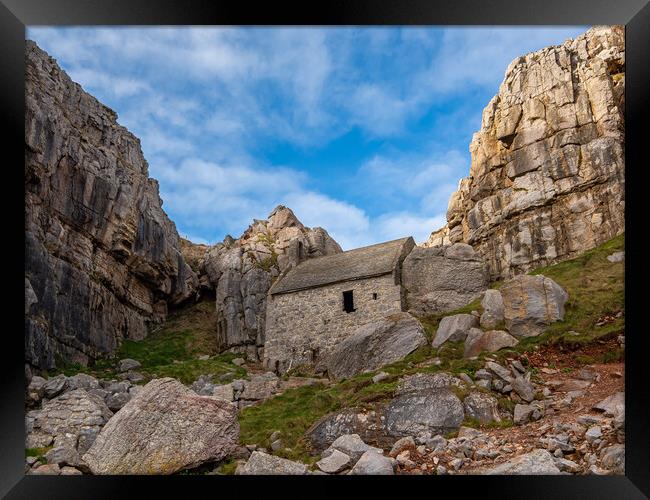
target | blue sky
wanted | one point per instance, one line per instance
(362, 131)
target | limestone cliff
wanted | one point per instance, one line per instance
(102, 259)
(241, 272)
(547, 176)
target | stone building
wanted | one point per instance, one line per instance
(321, 301)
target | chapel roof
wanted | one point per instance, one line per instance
(365, 262)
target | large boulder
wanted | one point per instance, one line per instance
(436, 411)
(376, 344)
(367, 424)
(165, 428)
(442, 279)
(454, 328)
(478, 341)
(531, 304)
(69, 416)
(262, 464)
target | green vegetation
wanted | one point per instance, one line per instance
(172, 351)
(39, 453)
(228, 467)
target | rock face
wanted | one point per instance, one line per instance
(376, 344)
(165, 428)
(441, 279)
(531, 303)
(102, 258)
(547, 175)
(242, 271)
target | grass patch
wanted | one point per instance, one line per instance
(228, 467)
(39, 453)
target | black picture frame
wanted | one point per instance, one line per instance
(15, 15)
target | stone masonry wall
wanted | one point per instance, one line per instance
(303, 326)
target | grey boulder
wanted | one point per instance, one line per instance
(537, 462)
(478, 341)
(376, 344)
(263, 464)
(531, 304)
(373, 463)
(492, 304)
(482, 407)
(454, 328)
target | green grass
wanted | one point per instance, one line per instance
(39, 453)
(172, 351)
(228, 467)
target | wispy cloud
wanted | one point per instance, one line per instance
(232, 120)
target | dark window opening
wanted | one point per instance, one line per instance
(374, 296)
(348, 302)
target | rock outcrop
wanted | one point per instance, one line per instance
(242, 271)
(547, 176)
(102, 258)
(165, 428)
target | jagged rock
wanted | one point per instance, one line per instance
(127, 364)
(334, 462)
(492, 304)
(547, 176)
(376, 344)
(224, 392)
(36, 389)
(54, 386)
(405, 443)
(537, 462)
(567, 465)
(454, 328)
(70, 471)
(47, 469)
(434, 410)
(262, 464)
(242, 271)
(613, 458)
(442, 279)
(71, 413)
(531, 303)
(373, 463)
(478, 341)
(65, 455)
(482, 407)
(612, 405)
(352, 445)
(101, 255)
(164, 429)
(523, 388)
(522, 413)
(501, 372)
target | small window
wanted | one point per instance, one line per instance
(374, 296)
(348, 302)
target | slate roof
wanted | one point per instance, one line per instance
(365, 262)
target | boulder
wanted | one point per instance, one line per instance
(442, 279)
(334, 462)
(128, 364)
(352, 445)
(531, 304)
(478, 341)
(261, 463)
(82, 381)
(435, 411)
(454, 328)
(165, 428)
(365, 423)
(501, 372)
(482, 407)
(612, 405)
(492, 304)
(613, 458)
(117, 400)
(55, 386)
(373, 463)
(70, 414)
(405, 443)
(537, 462)
(616, 257)
(523, 388)
(261, 386)
(225, 392)
(376, 344)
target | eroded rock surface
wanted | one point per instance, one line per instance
(547, 177)
(102, 258)
(165, 428)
